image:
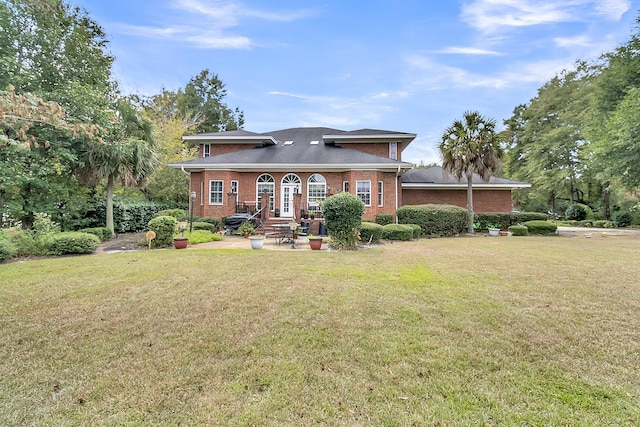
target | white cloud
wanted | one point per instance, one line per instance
(334, 111)
(208, 24)
(580, 41)
(434, 76)
(493, 15)
(457, 50)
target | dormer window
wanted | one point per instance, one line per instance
(393, 150)
(206, 150)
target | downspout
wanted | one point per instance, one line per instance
(397, 176)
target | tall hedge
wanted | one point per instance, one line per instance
(435, 220)
(343, 217)
(128, 215)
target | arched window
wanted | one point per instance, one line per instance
(265, 183)
(316, 192)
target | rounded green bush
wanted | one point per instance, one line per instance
(343, 217)
(164, 227)
(624, 219)
(540, 227)
(7, 249)
(518, 230)
(417, 230)
(384, 219)
(73, 242)
(200, 225)
(397, 232)
(103, 233)
(578, 212)
(370, 232)
(215, 221)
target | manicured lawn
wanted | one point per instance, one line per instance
(459, 331)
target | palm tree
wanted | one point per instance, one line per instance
(471, 145)
(128, 155)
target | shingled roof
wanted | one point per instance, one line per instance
(436, 177)
(295, 149)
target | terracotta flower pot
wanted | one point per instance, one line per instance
(315, 243)
(180, 242)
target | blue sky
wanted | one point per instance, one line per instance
(401, 65)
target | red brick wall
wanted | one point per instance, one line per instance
(216, 149)
(379, 149)
(483, 200)
(247, 189)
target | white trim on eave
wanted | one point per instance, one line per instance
(238, 139)
(462, 186)
(287, 167)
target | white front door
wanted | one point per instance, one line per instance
(286, 200)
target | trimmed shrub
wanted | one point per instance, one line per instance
(103, 233)
(384, 219)
(73, 242)
(578, 212)
(624, 219)
(201, 236)
(518, 230)
(215, 221)
(179, 214)
(585, 223)
(486, 220)
(435, 220)
(603, 223)
(540, 227)
(164, 227)
(417, 230)
(343, 218)
(7, 249)
(397, 232)
(520, 217)
(199, 225)
(370, 232)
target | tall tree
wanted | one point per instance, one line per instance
(127, 155)
(546, 137)
(54, 53)
(202, 98)
(470, 146)
(615, 116)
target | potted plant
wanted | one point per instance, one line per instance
(315, 242)
(494, 229)
(181, 242)
(256, 242)
(246, 229)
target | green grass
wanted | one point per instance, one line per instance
(460, 331)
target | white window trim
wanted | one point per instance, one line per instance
(357, 193)
(237, 186)
(393, 150)
(345, 186)
(206, 150)
(380, 193)
(221, 192)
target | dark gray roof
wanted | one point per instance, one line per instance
(437, 176)
(299, 153)
(229, 133)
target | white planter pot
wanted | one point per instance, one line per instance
(256, 242)
(494, 232)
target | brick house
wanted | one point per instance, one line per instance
(290, 172)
